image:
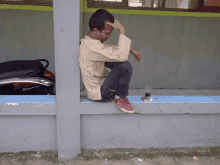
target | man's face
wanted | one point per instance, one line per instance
(104, 34)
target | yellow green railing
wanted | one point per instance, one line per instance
(26, 7)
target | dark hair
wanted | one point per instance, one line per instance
(97, 20)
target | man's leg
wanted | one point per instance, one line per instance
(109, 64)
(117, 81)
(125, 77)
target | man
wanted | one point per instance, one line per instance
(106, 72)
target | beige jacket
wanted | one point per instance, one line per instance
(92, 58)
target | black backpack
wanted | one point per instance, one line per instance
(22, 68)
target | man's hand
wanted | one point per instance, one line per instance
(137, 54)
(117, 25)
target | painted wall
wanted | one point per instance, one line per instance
(178, 52)
(27, 35)
(146, 131)
(26, 133)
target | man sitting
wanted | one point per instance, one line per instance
(105, 70)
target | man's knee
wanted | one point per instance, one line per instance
(127, 65)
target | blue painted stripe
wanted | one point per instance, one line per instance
(27, 99)
(132, 99)
(173, 99)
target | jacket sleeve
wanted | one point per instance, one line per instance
(119, 53)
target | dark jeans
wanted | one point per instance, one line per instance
(117, 81)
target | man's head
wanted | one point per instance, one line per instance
(98, 26)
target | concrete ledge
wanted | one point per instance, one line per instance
(152, 108)
(168, 99)
(165, 104)
(27, 98)
(44, 109)
(165, 101)
(27, 105)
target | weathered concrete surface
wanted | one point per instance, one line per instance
(171, 156)
(135, 161)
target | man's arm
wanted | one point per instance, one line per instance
(115, 47)
(119, 26)
(103, 52)
(131, 50)
(122, 30)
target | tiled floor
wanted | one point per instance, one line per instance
(170, 92)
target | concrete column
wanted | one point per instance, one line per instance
(66, 14)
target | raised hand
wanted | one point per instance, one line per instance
(116, 24)
(137, 54)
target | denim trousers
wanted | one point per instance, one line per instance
(117, 81)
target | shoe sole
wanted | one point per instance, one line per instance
(124, 110)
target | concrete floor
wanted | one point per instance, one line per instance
(161, 160)
(151, 156)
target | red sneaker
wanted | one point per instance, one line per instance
(123, 104)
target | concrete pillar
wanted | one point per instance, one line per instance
(66, 14)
